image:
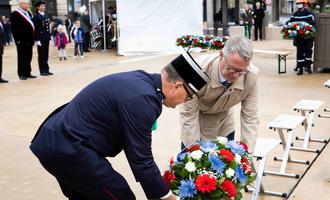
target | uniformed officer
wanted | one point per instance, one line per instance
(304, 46)
(42, 37)
(2, 46)
(112, 114)
(23, 31)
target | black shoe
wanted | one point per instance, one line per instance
(60, 58)
(65, 58)
(22, 78)
(300, 72)
(31, 76)
(3, 80)
(295, 69)
(50, 73)
(44, 74)
(309, 70)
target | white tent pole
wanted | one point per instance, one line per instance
(104, 27)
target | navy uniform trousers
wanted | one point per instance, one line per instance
(304, 53)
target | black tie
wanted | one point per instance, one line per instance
(226, 84)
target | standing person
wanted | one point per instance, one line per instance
(113, 114)
(23, 31)
(68, 26)
(258, 15)
(42, 36)
(247, 17)
(78, 37)
(2, 46)
(61, 42)
(233, 81)
(86, 27)
(304, 46)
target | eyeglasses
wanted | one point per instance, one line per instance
(189, 96)
(233, 70)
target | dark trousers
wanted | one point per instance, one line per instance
(230, 136)
(87, 39)
(258, 29)
(24, 57)
(76, 50)
(304, 52)
(0, 63)
(43, 52)
(247, 31)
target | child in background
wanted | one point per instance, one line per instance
(77, 35)
(61, 41)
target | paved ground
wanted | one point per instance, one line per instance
(24, 105)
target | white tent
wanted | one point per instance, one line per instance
(147, 26)
(152, 26)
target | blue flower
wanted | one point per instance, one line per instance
(180, 157)
(217, 164)
(293, 33)
(302, 25)
(240, 175)
(208, 146)
(235, 147)
(187, 189)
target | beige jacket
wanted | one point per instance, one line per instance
(211, 115)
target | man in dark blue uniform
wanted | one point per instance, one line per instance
(112, 114)
(42, 36)
(23, 31)
(304, 46)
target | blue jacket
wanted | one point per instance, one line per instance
(79, 36)
(112, 114)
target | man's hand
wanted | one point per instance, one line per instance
(38, 43)
(172, 197)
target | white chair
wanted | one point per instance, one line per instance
(326, 84)
(307, 109)
(261, 150)
(288, 123)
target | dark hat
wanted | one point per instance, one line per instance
(190, 71)
(38, 3)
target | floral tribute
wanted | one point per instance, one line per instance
(212, 170)
(202, 41)
(300, 30)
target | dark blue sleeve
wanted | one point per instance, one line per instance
(138, 115)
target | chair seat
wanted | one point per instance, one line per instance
(264, 146)
(286, 122)
(308, 105)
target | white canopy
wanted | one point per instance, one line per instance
(152, 26)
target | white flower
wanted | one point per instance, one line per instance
(197, 154)
(298, 27)
(190, 167)
(230, 172)
(238, 158)
(222, 140)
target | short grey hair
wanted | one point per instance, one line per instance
(172, 74)
(239, 45)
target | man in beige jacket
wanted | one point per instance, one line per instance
(233, 81)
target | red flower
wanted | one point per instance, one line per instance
(195, 41)
(227, 155)
(171, 161)
(301, 31)
(219, 44)
(246, 166)
(294, 26)
(193, 148)
(229, 187)
(188, 37)
(244, 145)
(309, 27)
(168, 177)
(204, 183)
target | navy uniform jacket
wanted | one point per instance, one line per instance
(41, 24)
(22, 30)
(112, 114)
(304, 16)
(2, 39)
